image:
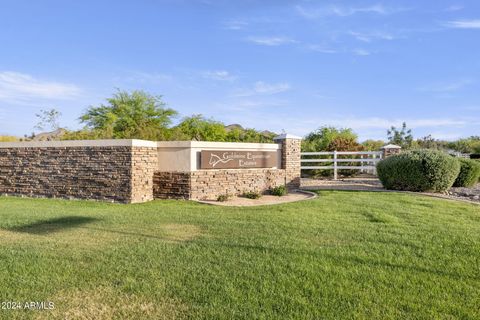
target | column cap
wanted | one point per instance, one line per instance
(284, 136)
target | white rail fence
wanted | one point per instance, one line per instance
(365, 161)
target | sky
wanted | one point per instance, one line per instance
(284, 66)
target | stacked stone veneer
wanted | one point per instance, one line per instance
(127, 171)
(172, 185)
(291, 155)
(209, 184)
(120, 172)
(144, 164)
(101, 173)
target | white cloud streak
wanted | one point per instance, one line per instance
(344, 11)
(236, 24)
(464, 24)
(454, 8)
(263, 88)
(321, 49)
(447, 87)
(369, 37)
(270, 41)
(377, 124)
(219, 75)
(23, 88)
(361, 52)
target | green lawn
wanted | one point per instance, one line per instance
(343, 255)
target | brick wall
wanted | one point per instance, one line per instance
(101, 173)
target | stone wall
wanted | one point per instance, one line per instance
(291, 155)
(144, 165)
(209, 184)
(101, 173)
(129, 171)
(171, 185)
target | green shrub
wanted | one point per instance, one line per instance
(279, 191)
(252, 195)
(419, 170)
(469, 173)
(223, 197)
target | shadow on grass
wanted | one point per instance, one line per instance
(53, 225)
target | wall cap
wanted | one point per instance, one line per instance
(217, 145)
(284, 136)
(140, 143)
(80, 143)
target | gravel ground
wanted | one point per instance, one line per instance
(472, 194)
(373, 184)
(263, 200)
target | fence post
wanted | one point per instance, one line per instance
(335, 165)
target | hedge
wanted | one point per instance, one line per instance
(419, 170)
(469, 173)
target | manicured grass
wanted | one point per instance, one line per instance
(343, 255)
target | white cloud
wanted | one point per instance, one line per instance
(455, 8)
(361, 52)
(344, 11)
(369, 37)
(263, 88)
(145, 77)
(384, 123)
(464, 24)
(447, 87)
(247, 105)
(446, 136)
(270, 41)
(220, 75)
(373, 124)
(236, 24)
(321, 49)
(23, 88)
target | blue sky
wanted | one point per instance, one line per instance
(277, 65)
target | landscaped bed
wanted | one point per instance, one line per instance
(342, 255)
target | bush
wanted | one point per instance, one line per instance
(469, 173)
(419, 170)
(252, 195)
(279, 191)
(223, 197)
(475, 156)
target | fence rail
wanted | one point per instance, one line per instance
(367, 161)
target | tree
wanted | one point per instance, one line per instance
(198, 128)
(344, 144)
(135, 115)
(373, 145)
(467, 145)
(428, 142)
(322, 138)
(402, 137)
(48, 119)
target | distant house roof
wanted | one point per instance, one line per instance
(391, 146)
